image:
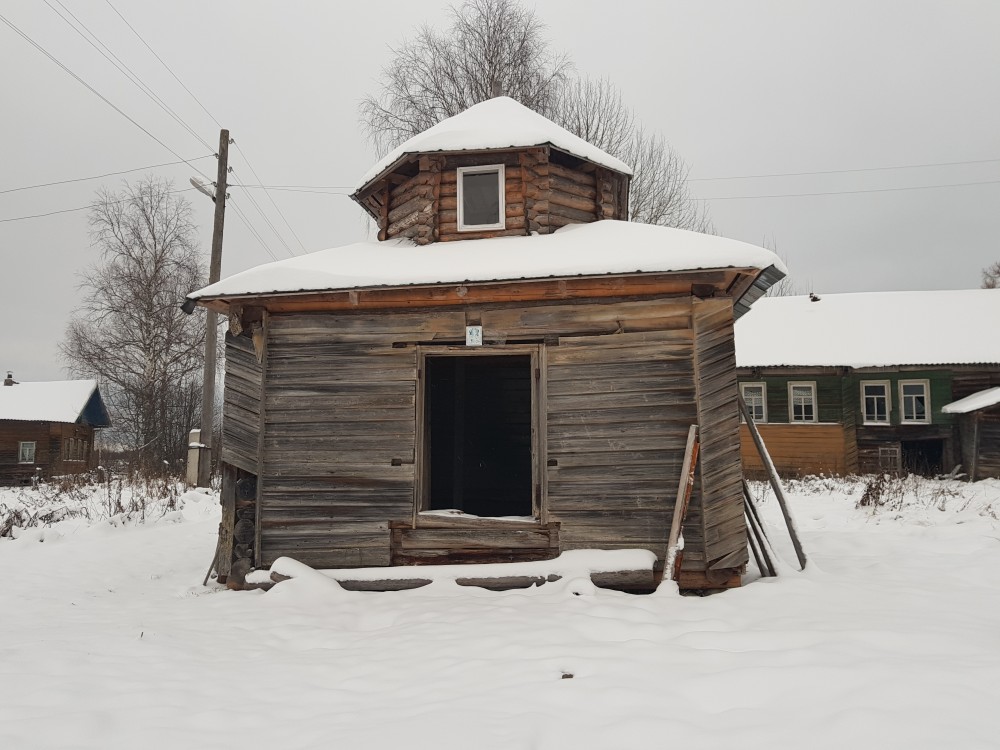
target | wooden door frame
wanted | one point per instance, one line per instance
(421, 455)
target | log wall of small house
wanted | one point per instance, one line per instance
(620, 384)
(543, 190)
(60, 448)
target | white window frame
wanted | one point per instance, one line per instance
(20, 451)
(888, 403)
(763, 394)
(501, 185)
(927, 402)
(811, 385)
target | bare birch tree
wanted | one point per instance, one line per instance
(991, 276)
(497, 45)
(491, 45)
(129, 331)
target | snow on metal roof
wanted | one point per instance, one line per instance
(495, 123)
(599, 248)
(872, 329)
(975, 402)
(54, 401)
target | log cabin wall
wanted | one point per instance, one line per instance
(338, 475)
(544, 189)
(60, 448)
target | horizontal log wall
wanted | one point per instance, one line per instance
(52, 454)
(241, 404)
(540, 196)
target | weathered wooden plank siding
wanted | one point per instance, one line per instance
(988, 446)
(618, 412)
(619, 387)
(241, 404)
(339, 413)
(719, 461)
(800, 449)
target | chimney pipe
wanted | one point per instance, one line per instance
(9, 380)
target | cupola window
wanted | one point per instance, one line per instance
(481, 198)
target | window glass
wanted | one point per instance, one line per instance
(802, 399)
(876, 401)
(913, 397)
(753, 396)
(26, 452)
(481, 198)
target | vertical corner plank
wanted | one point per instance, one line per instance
(261, 463)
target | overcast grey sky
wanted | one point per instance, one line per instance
(749, 87)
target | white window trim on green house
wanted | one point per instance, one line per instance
(810, 402)
(872, 417)
(501, 223)
(26, 452)
(756, 404)
(907, 402)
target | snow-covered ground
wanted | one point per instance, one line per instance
(890, 639)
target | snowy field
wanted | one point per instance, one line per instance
(891, 639)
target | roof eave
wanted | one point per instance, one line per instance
(697, 277)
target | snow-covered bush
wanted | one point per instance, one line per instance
(94, 496)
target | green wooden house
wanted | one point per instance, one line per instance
(860, 383)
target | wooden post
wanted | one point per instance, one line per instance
(211, 318)
(772, 476)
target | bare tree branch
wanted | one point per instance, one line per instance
(491, 46)
(129, 331)
(497, 45)
(991, 276)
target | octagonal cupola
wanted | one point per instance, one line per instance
(497, 169)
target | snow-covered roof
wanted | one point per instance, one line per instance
(54, 401)
(495, 123)
(599, 248)
(872, 329)
(975, 402)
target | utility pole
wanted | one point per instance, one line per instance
(211, 317)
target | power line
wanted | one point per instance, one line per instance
(256, 205)
(845, 171)
(246, 222)
(101, 176)
(80, 208)
(207, 112)
(850, 192)
(153, 52)
(301, 188)
(270, 198)
(123, 68)
(94, 91)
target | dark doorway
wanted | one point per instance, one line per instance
(479, 432)
(924, 457)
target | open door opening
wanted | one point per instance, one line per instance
(478, 427)
(923, 457)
